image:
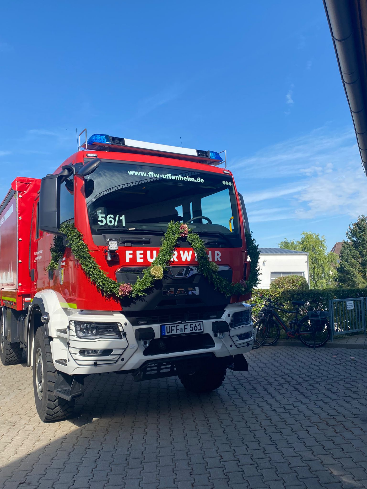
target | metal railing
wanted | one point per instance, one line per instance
(348, 316)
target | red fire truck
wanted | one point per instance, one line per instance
(121, 195)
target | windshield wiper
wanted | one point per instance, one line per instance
(135, 230)
(216, 233)
(126, 241)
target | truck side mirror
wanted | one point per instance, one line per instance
(89, 168)
(49, 207)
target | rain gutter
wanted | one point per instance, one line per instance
(348, 26)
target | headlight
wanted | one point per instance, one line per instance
(240, 318)
(96, 330)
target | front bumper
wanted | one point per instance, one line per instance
(128, 354)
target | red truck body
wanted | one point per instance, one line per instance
(21, 251)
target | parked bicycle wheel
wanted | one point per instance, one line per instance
(268, 333)
(272, 333)
(314, 333)
(261, 329)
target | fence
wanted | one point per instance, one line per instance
(348, 316)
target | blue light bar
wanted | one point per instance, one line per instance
(99, 138)
(215, 156)
(103, 139)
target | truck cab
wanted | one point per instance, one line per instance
(121, 198)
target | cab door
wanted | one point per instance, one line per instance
(34, 255)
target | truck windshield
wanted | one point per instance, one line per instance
(125, 198)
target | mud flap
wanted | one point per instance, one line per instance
(239, 364)
(69, 387)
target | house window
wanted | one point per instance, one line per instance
(274, 275)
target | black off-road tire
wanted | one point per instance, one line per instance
(10, 353)
(206, 378)
(49, 406)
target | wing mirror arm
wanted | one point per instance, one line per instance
(89, 168)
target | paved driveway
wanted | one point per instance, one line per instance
(298, 418)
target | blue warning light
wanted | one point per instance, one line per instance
(215, 156)
(99, 138)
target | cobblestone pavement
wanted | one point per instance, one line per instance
(297, 419)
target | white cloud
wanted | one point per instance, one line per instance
(296, 156)
(42, 132)
(288, 98)
(44, 138)
(341, 191)
(272, 193)
(316, 175)
(4, 153)
(270, 214)
(309, 64)
(161, 98)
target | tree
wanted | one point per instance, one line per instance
(321, 263)
(352, 269)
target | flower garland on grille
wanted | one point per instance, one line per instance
(159, 266)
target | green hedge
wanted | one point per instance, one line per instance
(318, 299)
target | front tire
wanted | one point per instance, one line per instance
(49, 406)
(206, 377)
(10, 353)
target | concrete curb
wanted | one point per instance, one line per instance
(329, 344)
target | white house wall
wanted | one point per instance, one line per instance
(281, 263)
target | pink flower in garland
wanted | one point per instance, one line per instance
(125, 289)
(184, 230)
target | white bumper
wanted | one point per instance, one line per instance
(75, 356)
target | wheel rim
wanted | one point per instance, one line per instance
(39, 374)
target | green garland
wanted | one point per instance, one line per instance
(254, 254)
(161, 263)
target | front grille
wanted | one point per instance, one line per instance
(173, 274)
(180, 343)
(175, 316)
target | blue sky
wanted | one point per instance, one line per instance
(258, 79)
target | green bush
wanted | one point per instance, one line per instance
(318, 299)
(291, 282)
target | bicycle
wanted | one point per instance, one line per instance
(313, 329)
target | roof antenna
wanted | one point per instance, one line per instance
(76, 135)
(181, 141)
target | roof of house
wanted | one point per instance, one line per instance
(337, 247)
(280, 251)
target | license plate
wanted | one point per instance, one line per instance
(182, 328)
